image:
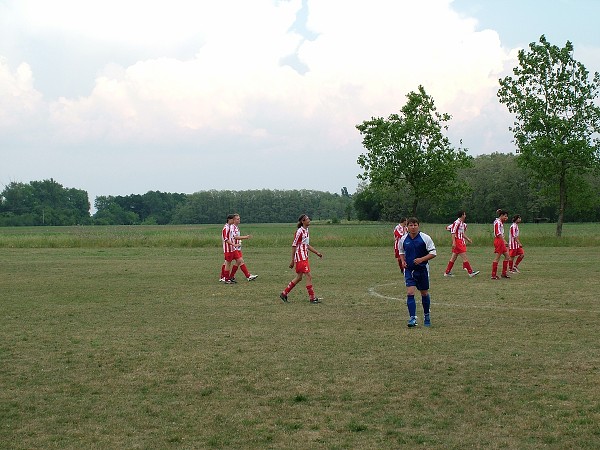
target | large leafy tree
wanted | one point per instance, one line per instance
(44, 202)
(410, 150)
(557, 121)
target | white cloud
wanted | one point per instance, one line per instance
(20, 102)
(233, 93)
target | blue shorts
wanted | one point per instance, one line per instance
(418, 278)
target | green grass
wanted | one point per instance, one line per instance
(141, 347)
(354, 234)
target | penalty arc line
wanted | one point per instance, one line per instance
(373, 291)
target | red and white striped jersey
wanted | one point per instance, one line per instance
(227, 247)
(498, 228)
(513, 234)
(458, 229)
(398, 233)
(234, 232)
(301, 240)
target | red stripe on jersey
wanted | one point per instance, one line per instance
(513, 234)
(458, 229)
(498, 228)
(301, 240)
(227, 247)
(233, 234)
(398, 233)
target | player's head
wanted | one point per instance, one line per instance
(501, 212)
(461, 213)
(303, 220)
(402, 221)
(412, 223)
(516, 218)
(230, 218)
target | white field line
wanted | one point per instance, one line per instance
(373, 291)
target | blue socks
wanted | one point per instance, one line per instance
(426, 302)
(412, 305)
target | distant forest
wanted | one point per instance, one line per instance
(493, 181)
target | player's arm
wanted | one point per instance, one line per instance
(312, 249)
(431, 251)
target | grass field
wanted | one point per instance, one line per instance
(138, 346)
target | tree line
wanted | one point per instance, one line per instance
(488, 183)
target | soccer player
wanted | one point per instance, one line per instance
(459, 246)
(500, 245)
(235, 240)
(227, 250)
(416, 249)
(300, 249)
(515, 248)
(399, 231)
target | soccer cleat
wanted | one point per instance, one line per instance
(504, 275)
(252, 277)
(222, 280)
(515, 270)
(229, 282)
(232, 279)
(448, 274)
(426, 320)
(495, 277)
(474, 273)
(283, 297)
(315, 300)
(412, 322)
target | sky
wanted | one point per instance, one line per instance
(120, 97)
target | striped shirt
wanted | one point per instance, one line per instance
(399, 231)
(227, 247)
(301, 240)
(458, 229)
(498, 228)
(513, 243)
(233, 234)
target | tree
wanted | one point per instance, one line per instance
(44, 202)
(556, 119)
(410, 149)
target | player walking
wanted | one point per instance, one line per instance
(236, 241)
(515, 248)
(300, 249)
(227, 250)
(500, 245)
(459, 245)
(416, 249)
(399, 231)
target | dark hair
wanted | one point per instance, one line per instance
(300, 220)
(412, 220)
(230, 216)
(517, 216)
(461, 213)
(402, 219)
(501, 212)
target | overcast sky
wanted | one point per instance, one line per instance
(120, 97)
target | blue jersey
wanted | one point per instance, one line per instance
(420, 246)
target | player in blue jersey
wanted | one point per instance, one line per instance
(416, 249)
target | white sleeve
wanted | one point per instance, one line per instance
(429, 244)
(401, 244)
